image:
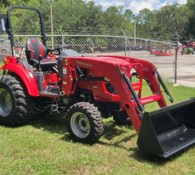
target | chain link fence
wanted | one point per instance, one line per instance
(90, 44)
(98, 44)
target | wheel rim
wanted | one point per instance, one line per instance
(80, 125)
(5, 103)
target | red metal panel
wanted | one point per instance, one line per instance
(23, 73)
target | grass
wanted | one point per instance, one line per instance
(43, 147)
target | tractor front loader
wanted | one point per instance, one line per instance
(85, 89)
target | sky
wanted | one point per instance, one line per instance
(137, 5)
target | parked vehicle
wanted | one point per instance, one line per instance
(82, 88)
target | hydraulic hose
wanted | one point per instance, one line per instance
(139, 105)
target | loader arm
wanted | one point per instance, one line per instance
(148, 71)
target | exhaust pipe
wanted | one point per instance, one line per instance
(168, 130)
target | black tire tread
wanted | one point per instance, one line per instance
(22, 109)
(122, 119)
(97, 127)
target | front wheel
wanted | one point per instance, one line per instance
(84, 122)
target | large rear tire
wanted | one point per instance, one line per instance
(14, 104)
(84, 123)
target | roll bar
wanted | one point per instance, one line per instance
(9, 25)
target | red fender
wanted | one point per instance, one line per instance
(25, 75)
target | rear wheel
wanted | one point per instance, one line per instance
(85, 123)
(121, 118)
(14, 104)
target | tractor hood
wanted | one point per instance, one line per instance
(104, 59)
(91, 63)
(125, 63)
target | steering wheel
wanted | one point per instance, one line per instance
(55, 51)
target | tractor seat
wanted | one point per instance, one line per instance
(37, 52)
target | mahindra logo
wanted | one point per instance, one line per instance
(85, 64)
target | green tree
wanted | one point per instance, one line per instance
(84, 17)
(4, 3)
(190, 33)
(67, 14)
(92, 18)
(113, 20)
(146, 23)
(173, 19)
(128, 26)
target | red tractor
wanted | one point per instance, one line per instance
(84, 89)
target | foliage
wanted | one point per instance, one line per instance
(84, 17)
(191, 27)
(147, 23)
(176, 19)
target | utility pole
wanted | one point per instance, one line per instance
(135, 31)
(51, 17)
(134, 22)
(175, 40)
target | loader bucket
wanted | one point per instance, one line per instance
(168, 130)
